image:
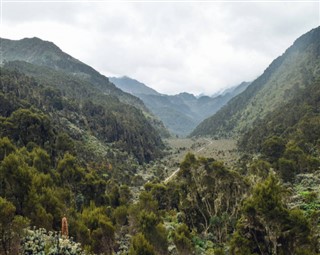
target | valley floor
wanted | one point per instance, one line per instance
(222, 150)
(166, 168)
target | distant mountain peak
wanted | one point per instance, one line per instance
(35, 39)
(34, 42)
(37, 51)
(186, 95)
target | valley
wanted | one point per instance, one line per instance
(74, 148)
(166, 168)
(177, 148)
(179, 113)
(222, 150)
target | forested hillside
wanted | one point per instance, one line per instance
(47, 62)
(106, 118)
(297, 68)
(289, 136)
(46, 54)
(63, 156)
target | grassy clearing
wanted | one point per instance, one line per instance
(177, 148)
(222, 150)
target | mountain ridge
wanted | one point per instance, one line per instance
(295, 68)
(132, 86)
(45, 53)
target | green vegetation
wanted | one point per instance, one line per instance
(296, 69)
(288, 138)
(93, 160)
(47, 55)
(49, 65)
(65, 157)
(110, 121)
(266, 226)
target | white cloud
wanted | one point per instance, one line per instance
(172, 47)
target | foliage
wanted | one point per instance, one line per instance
(268, 227)
(182, 240)
(288, 138)
(39, 241)
(140, 246)
(11, 227)
(96, 229)
(208, 196)
(104, 116)
(33, 187)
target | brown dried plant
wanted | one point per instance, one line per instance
(64, 227)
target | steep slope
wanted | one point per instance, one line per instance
(297, 120)
(64, 157)
(295, 69)
(235, 90)
(132, 86)
(81, 113)
(180, 113)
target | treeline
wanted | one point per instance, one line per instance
(209, 209)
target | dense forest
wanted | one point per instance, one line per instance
(54, 163)
(71, 160)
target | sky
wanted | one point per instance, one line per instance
(200, 47)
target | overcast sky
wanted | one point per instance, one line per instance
(198, 47)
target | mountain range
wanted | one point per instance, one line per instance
(180, 113)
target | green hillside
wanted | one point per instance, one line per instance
(44, 53)
(289, 137)
(295, 69)
(81, 110)
(63, 157)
